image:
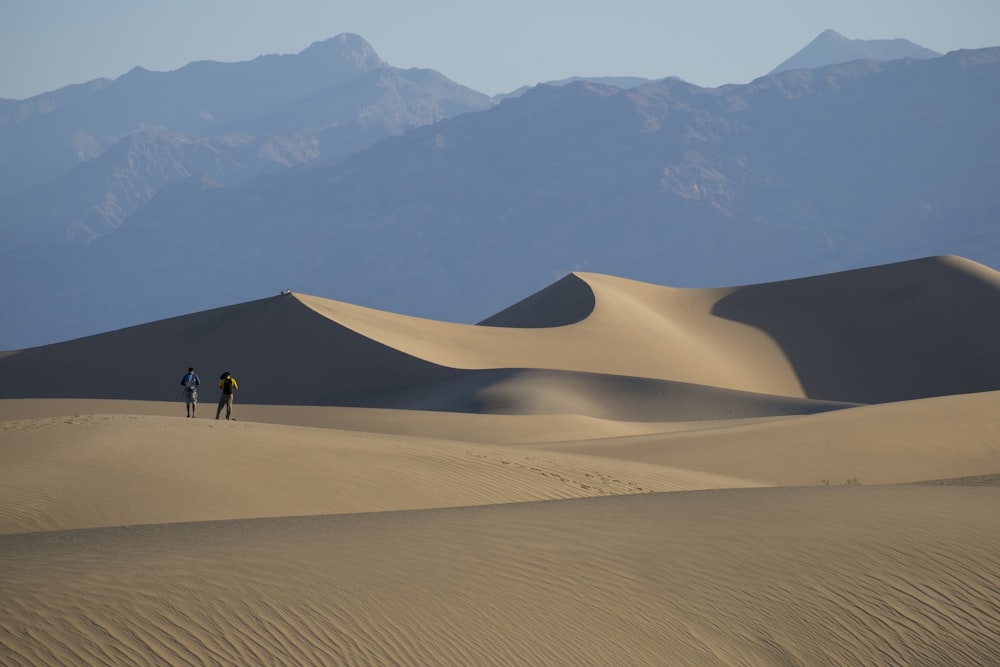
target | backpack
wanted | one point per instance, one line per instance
(227, 385)
(190, 381)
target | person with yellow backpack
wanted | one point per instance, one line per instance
(227, 383)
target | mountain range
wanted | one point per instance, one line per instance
(82, 159)
(333, 173)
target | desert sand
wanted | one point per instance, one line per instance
(606, 473)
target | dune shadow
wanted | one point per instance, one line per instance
(281, 351)
(903, 331)
(527, 391)
(566, 301)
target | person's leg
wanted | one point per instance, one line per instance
(222, 403)
(229, 407)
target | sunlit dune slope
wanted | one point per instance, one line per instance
(88, 471)
(470, 427)
(906, 441)
(633, 329)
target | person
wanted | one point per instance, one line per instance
(227, 383)
(190, 383)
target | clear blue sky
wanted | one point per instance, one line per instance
(493, 46)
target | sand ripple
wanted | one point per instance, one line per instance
(811, 576)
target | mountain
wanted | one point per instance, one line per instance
(832, 48)
(794, 174)
(95, 197)
(123, 140)
(47, 134)
(76, 162)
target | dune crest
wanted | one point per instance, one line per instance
(631, 329)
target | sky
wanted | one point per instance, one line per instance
(493, 47)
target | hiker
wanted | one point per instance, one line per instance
(227, 383)
(190, 383)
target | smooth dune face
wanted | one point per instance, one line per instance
(894, 443)
(608, 472)
(111, 470)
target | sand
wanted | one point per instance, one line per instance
(607, 473)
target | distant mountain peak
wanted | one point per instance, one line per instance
(829, 33)
(346, 47)
(832, 48)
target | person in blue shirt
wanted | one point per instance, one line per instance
(190, 383)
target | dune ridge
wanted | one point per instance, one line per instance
(607, 472)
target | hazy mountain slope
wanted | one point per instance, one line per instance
(382, 102)
(224, 121)
(49, 133)
(95, 197)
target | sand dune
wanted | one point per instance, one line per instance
(634, 329)
(94, 470)
(90, 471)
(822, 576)
(608, 472)
(908, 330)
(910, 441)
